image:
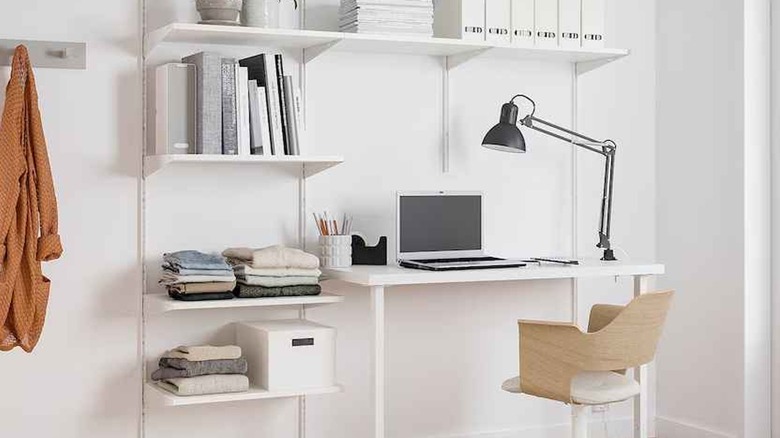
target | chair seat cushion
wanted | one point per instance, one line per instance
(602, 387)
(591, 387)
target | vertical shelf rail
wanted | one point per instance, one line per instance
(142, 221)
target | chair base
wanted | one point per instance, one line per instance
(579, 421)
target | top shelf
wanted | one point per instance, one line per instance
(315, 43)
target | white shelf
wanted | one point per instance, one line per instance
(316, 42)
(154, 396)
(395, 275)
(162, 303)
(312, 165)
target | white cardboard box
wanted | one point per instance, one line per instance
(288, 354)
(593, 23)
(462, 19)
(498, 20)
(546, 23)
(570, 23)
(523, 23)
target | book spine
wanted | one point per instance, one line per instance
(279, 63)
(209, 102)
(265, 122)
(244, 143)
(256, 139)
(274, 112)
(299, 125)
(229, 119)
(289, 106)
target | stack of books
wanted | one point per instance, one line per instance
(243, 107)
(413, 17)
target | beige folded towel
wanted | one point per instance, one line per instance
(243, 269)
(202, 288)
(205, 352)
(274, 257)
(201, 385)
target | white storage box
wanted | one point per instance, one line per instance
(288, 354)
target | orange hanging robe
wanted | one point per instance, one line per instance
(28, 211)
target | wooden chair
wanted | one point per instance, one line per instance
(560, 362)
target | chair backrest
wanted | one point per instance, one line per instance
(634, 332)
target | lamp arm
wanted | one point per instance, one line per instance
(606, 149)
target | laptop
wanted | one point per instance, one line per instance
(442, 231)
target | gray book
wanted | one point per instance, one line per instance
(229, 116)
(293, 147)
(255, 132)
(208, 113)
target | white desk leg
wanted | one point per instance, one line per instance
(378, 310)
(641, 406)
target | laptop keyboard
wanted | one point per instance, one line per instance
(462, 260)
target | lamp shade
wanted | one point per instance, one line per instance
(506, 136)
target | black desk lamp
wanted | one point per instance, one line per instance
(506, 137)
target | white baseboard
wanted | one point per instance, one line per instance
(673, 428)
(621, 427)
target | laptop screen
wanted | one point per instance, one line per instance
(429, 223)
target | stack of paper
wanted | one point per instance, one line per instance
(387, 16)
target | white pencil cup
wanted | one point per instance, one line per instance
(336, 251)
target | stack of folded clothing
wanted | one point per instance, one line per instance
(204, 369)
(196, 276)
(413, 17)
(275, 271)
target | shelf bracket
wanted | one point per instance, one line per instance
(586, 66)
(454, 61)
(311, 53)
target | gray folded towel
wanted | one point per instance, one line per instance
(174, 367)
(202, 385)
(248, 291)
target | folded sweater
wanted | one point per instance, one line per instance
(274, 257)
(201, 385)
(173, 368)
(183, 271)
(243, 269)
(247, 291)
(204, 352)
(254, 280)
(195, 260)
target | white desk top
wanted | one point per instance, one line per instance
(394, 275)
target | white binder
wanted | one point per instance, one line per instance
(175, 109)
(569, 23)
(498, 15)
(593, 23)
(462, 19)
(522, 28)
(546, 23)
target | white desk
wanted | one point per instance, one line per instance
(380, 277)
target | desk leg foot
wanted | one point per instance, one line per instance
(378, 311)
(641, 405)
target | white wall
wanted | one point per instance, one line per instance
(713, 217)
(82, 379)
(464, 336)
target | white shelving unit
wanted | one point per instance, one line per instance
(311, 165)
(311, 45)
(154, 396)
(161, 303)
